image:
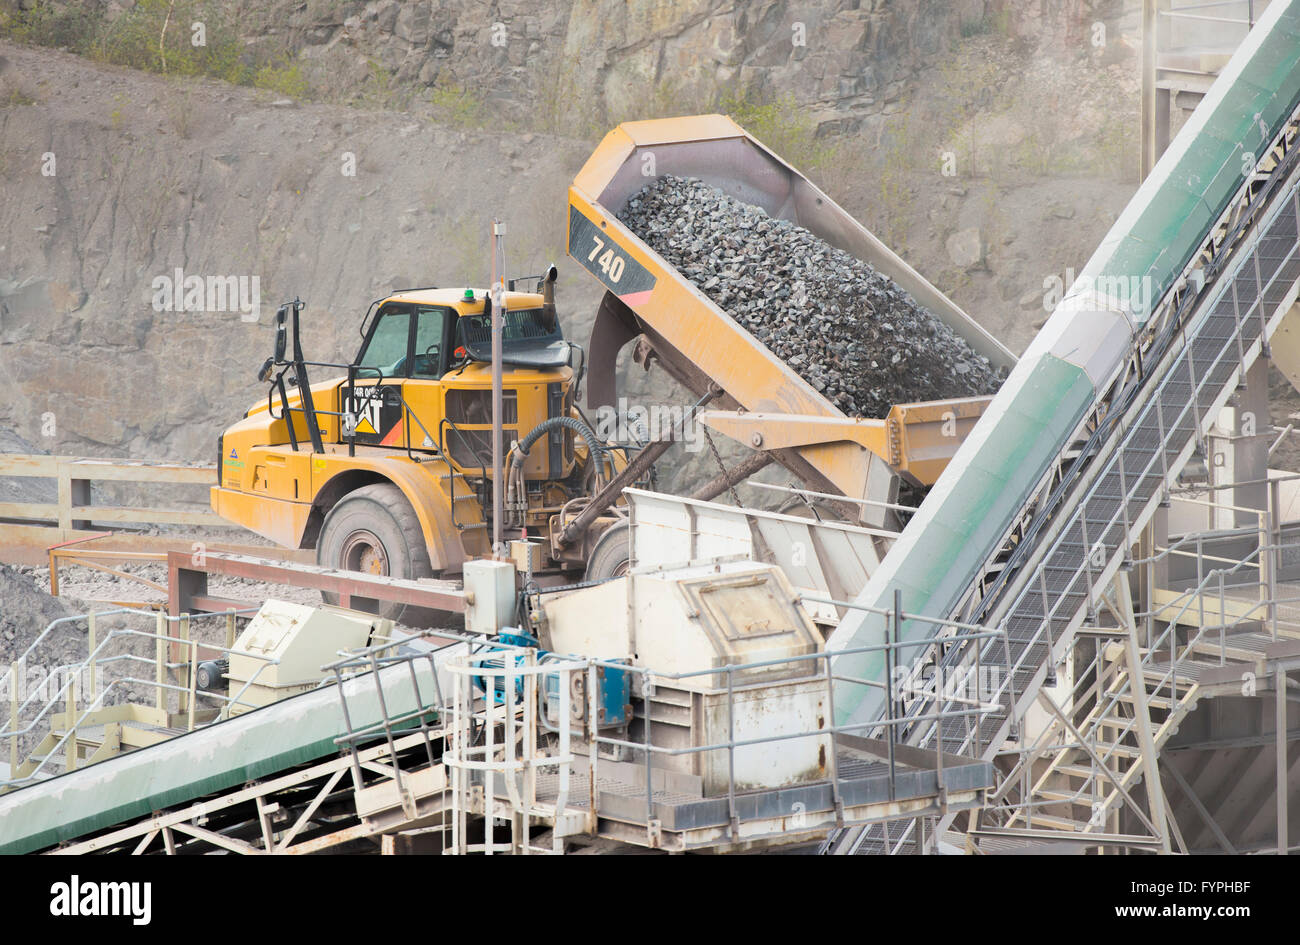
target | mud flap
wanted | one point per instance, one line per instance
(614, 327)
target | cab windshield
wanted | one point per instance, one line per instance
(521, 328)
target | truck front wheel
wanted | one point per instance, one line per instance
(374, 530)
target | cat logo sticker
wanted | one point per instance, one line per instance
(378, 412)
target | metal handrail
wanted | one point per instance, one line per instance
(1118, 456)
(815, 665)
(1239, 255)
(95, 660)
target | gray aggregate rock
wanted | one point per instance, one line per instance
(852, 333)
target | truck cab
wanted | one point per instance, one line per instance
(423, 379)
(388, 467)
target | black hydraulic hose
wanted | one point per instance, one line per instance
(573, 423)
(520, 452)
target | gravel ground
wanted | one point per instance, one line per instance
(849, 331)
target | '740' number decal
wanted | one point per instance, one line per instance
(606, 259)
(610, 262)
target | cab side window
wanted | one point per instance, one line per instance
(430, 360)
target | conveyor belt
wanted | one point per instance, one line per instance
(216, 758)
(1149, 449)
(1192, 363)
(1145, 453)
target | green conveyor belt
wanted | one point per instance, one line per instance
(213, 759)
(982, 491)
(965, 511)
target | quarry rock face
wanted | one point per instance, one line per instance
(859, 339)
(596, 60)
(94, 365)
(966, 248)
(159, 173)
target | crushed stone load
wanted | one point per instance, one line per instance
(850, 332)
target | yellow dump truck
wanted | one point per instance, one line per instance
(764, 403)
(388, 469)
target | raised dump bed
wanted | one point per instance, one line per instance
(698, 342)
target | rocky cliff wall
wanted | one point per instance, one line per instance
(112, 178)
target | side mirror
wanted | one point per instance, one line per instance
(578, 364)
(264, 371)
(281, 333)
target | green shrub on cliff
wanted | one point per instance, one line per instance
(174, 37)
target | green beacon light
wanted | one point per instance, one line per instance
(469, 295)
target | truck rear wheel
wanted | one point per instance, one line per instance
(374, 530)
(612, 555)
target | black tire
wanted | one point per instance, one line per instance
(374, 530)
(612, 555)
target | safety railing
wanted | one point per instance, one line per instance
(497, 740)
(424, 719)
(1101, 687)
(33, 715)
(513, 714)
(76, 553)
(819, 665)
(72, 478)
(1246, 584)
(1094, 532)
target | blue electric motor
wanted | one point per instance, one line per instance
(613, 685)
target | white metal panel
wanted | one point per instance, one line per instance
(669, 531)
(766, 713)
(591, 622)
(821, 558)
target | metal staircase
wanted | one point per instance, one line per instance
(1084, 770)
